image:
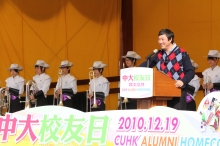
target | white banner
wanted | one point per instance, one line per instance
(158, 126)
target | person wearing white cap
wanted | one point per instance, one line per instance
(193, 87)
(211, 75)
(66, 83)
(101, 85)
(43, 82)
(14, 86)
(130, 60)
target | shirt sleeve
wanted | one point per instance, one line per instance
(105, 87)
(73, 85)
(57, 85)
(46, 85)
(143, 64)
(152, 62)
(187, 69)
(21, 86)
(7, 85)
(196, 84)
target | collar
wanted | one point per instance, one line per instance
(41, 74)
(98, 77)
(17, 76)
(66, 75)
(173, 47)
(215, 68)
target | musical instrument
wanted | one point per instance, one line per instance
(4, 106)
(35, 89)
(92, 76)
(54, 95)
(87, 104)
(208, 82)
(60, 88)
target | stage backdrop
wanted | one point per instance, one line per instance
(81, 31)
(196, 25)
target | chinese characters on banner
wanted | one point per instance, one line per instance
(136, 82)
(51, 130)
(162, 126)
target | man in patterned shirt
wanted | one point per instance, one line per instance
(175, 62)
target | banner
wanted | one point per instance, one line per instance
(136, 82)
(158, 126)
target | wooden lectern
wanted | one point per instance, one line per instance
(163, 89)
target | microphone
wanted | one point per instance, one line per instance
(152, 53)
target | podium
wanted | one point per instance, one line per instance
(163, 89)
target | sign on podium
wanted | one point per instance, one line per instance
(150, 86)
(136, 82)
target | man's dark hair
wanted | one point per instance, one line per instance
(43, 69)
(168, 33)
(100, 70)
(16, 70)
(212, 58)
(67, 67)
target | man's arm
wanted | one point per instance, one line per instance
(153, 62)
(188, 69)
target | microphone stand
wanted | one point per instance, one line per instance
(148, 61)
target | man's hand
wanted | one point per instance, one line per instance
(31, 96)
(58, 91)
(204, 86)
(56, 94)
(6, 88)
(210, 86)
(179, 83)
(90, 95)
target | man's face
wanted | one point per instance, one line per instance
(13, 73)
(96, 72)
(212, 62)
(37, 69)
(164, 42)
(128, 62)
(64, 70)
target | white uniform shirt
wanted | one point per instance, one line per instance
(214, 75)
(43, 82)
(195, 82)
(16, 82)
(101, 85)
(68, 81)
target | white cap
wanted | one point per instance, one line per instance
(98, 64)
(42, 63)
(66, 63)
(15, 66)
(132, 54)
